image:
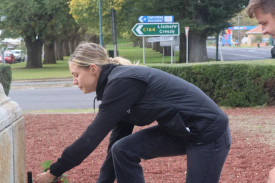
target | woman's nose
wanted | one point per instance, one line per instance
(75, 81)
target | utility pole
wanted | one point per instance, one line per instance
(100, 25)
(113, 12)
(239, 43)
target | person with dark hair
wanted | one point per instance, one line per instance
(187, 121)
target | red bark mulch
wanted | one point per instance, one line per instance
(251, 157)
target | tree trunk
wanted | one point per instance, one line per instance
(197, 40)
(71, 45)
(49, 55)
(135, 43)
(58, 50)
(78, 40)
(140, 42)
(182, 54)
(34, 52)
(91, 38)
(160, 48)
(167, 51)
(154, 47)
(197, 47)
(66, 50)
(157, 47)
(148, 45)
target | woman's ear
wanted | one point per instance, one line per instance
(94, 68)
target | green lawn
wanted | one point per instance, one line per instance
(59, 70)
(126, 50)
(135, 54)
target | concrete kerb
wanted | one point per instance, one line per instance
(42, 83)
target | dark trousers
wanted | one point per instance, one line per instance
(204, 162)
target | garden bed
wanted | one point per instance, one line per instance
(251, 157)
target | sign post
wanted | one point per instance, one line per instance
(172, 51)
(143, 51)
(114, 31)
(186, 33)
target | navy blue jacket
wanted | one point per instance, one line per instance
(136, 95)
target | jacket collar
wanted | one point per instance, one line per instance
(103, 79)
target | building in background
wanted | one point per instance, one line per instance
(255, 36)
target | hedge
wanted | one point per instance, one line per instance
(234, 85)
(5, 77)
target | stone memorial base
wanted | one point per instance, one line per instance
(12, 141)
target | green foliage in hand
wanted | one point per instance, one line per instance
(46, 165)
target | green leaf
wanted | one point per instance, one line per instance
(46, 165)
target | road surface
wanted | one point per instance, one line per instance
(234, 53)
(52, 98)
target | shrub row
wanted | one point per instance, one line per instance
(5, 77)
(235, 85)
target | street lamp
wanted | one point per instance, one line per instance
(100, 25)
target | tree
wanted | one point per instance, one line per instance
(37, 21)
(204, 17)
(61, 23)
(86, 13)
(29, 19)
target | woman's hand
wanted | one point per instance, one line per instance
(45, 177)
(271, 178)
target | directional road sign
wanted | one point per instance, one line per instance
(156, 29)
(159, 39)
(154, 19)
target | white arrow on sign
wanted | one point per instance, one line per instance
(139, 29)
(140, 19)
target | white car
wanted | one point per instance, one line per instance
(19, 55)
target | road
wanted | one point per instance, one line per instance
(61, 94)
(52, 98)
(233, 53)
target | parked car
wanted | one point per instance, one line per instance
(273, 51)
(236, 43)
(9, 58)
(19, 55)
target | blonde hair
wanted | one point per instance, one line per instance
(267, 6)
(90, 53)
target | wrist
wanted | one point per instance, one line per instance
(50, 177)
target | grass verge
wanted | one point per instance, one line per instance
(126, 50)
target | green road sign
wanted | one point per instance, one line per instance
(156, 29)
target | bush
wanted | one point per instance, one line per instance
(5, 77)
(235, 85)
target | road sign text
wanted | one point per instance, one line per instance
(156, 29)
